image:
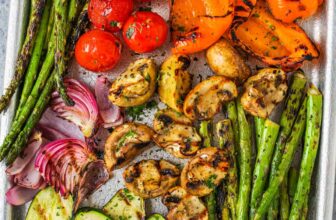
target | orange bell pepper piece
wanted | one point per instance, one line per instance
(274, 42)
(288, 10)
(243, 9)
(197, 24)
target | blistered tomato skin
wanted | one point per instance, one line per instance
(98, 51)
(145, 31)
(110, 14)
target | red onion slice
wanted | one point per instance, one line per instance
(18, 195)
(85, 111)
(29, 177)
(109, 113)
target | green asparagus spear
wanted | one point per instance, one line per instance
(259, 129)
(34, 64)
(231, 110)
(205, 130)
(305, 208)
(262, 165)
(287, 157)
(311, 145)
(26, 51)
(244, 157)
(293, 177)
(60, 65)
(294, 97)
(284, 200)
(225, 135)
(49, 28)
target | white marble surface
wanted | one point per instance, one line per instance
(4, 9)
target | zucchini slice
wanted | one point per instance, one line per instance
(156, 217)
(90, 214)
(125, 205)
(48, 204)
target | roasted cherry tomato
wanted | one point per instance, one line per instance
(110, 14)
(98, 50)
(145, 31)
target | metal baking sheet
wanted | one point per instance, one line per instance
(321, 28)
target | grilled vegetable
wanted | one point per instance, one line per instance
(275, 43)
(205, 100)
(204, 172)
(125, 142)
(263, 163)
(124, 204)
(90, 214)
(288, 12)
(182, 205)
(175, 134)
(259, 129)
(174, 81)
(197, 25)
(263, 91)
(244, 160)
(284, 199)
(136, 85)
(151, 178)
(226, 141)
(293, 177)
(288, 116)
(287, 157)
(224, 60)
(243, 10)
(22, 62)
(312, 138)
(156, 217)
(48, 204)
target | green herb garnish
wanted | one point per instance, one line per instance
(136, 112)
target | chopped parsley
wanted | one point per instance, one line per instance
(130, 31)
(210, 181)
(136, 112)
(114, 24)
(128, 135)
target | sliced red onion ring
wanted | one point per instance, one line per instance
(109, 113)
(85, 111)
(29, 153)
(18, 195)
(29, 177)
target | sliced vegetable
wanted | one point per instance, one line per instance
(165, 117)
(48, 204)
(197, 25)
(174, 195)
(85, 111)
(98, 51)
(156, 217)
(151, 178)
(18, 195)
(111, 14)
(125, 205)
(174, 81)
(243, 9)
(110, 114)
(125, 142)
(203, 173)
(224, 60)
(275, 43)
(136, 85)
(145, 31)
(90, 214)
(263, 91)
(205, 100)
(289, 11)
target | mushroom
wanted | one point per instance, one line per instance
(151, 178)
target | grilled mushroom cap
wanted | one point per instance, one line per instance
(263, 91)
(168, 116)
(204, 172)
(205, 100)
(136, 85)
(125, 142)
(190, 207)
(174, 81)
(151, 178)
(174, 196)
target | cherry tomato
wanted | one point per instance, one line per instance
(110, 14)
(98, 50)
(145, 31)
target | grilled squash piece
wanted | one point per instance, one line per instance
(204, 172)
(205, 100)
(151, 178)
(174, 81)
(126, 142)
(224, 60)
(182, 205)
(274, 42)
(263, 91)
(87, 213)
(136, 85)
(175, 134)
(125, 205)
(156, 217)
